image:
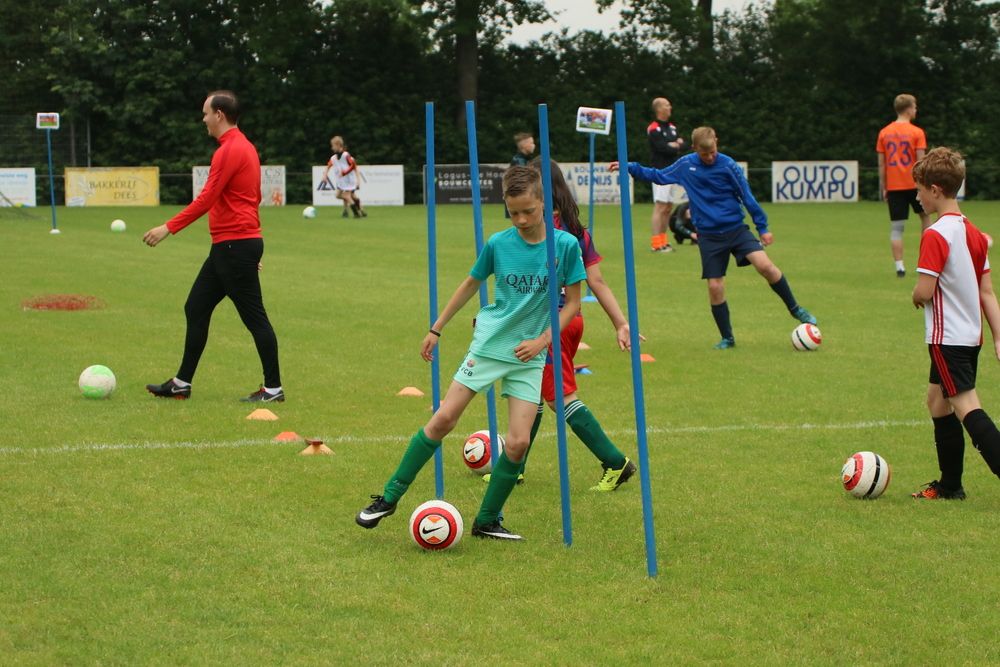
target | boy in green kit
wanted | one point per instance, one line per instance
(508, 345)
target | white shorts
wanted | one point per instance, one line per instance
(347, 183)
(669, 194)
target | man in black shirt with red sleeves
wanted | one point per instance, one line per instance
(665, 146)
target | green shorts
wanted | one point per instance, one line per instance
(519, 380)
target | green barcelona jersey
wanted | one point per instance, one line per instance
(521, 308)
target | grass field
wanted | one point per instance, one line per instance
(144, 531)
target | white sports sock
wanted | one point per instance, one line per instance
(899, 266)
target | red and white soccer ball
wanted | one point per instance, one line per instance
(806, 337)
(436, 525)
(476, 452)
(865, 475)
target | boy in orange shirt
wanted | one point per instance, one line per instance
(900, 144)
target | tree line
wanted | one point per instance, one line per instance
(793, 79)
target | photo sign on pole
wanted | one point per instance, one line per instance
(592, 122)
(595, 121)
(48, 122)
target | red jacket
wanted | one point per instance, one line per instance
(231, 196)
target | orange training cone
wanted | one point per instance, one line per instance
(410, 391)
(263, 414)
(314, 447)
(646, 357)
(287, 436)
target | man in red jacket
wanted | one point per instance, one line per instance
(231, 198)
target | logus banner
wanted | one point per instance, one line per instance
(378, 185)
(17, 187)
(453, 183)
(112, 186)
(272, 183)
(814, 181)
(606, 190)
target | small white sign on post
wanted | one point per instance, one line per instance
(593, 121)
(49, 121)
(46, 121)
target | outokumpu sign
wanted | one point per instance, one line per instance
(814, 181)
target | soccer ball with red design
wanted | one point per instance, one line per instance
(806, 337)
(436, 525)
(477, 454)
(865, 475)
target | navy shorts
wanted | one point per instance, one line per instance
(900, 203)
(953, 367)
(716, 248)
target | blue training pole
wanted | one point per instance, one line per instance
(633, 322)
(550, 247)
(477, 223)
(52, 183)
(430, 182)
(590, 298)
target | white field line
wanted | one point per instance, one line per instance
(354, 440)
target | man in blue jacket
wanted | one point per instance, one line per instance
(719, 192)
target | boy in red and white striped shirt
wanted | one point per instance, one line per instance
(955, 290)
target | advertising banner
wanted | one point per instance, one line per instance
(378, 185)
(814, 181)
(112, 186)
(272, 184)
(454, 183)
(17, 187)
(606, 190)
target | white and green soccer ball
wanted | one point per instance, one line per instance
(309, 212)
(118, 225)
(97, 382)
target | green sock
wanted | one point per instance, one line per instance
(420, 451)
(589, 430)
(502, 481)
(534, 432)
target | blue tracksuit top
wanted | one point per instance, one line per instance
(716, 191)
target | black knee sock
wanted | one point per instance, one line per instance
(985, 437)
(782, 289)
(721, 314)
(949, 438)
